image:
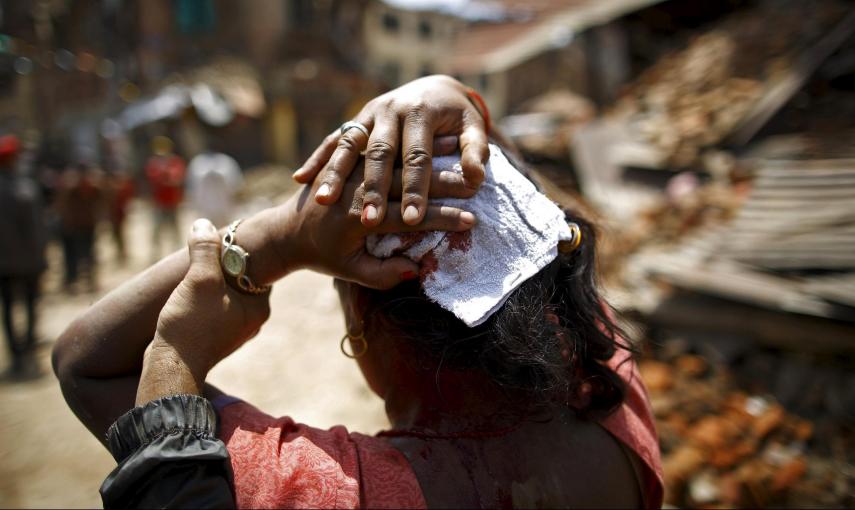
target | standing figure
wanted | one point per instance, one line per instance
(165, 172)
(120, 188)
(22, 258)
(213, 181)
(78, 202)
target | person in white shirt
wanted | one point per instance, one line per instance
(213, 181)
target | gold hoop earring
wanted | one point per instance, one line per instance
(357, 353)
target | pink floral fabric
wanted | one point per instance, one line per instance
(278, 463)
(633, 424)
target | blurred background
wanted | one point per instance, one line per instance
(713, 142)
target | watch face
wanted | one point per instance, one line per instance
(233, 262)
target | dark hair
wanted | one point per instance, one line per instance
(522, 346)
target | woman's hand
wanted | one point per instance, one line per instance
(331, 239)
(202, 322)
(403, 121)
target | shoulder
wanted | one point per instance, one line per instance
(278, 462)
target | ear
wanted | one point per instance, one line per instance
(354, 303)
(359, 302)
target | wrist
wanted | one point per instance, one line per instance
(169, 371)
(266, 237)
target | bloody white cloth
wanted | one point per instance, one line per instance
(471, 274)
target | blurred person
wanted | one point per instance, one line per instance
(120, 191)
(533, 400)
(213, 180)
(79, 200)
(22, 258)
(165, 172)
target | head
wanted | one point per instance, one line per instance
(9, 148)
(161, 146)
(547, 344)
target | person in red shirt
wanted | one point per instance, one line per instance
(165, 172)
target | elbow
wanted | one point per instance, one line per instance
(62, 357)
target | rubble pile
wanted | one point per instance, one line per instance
(723, 447)
(548, 125)
(694, 98)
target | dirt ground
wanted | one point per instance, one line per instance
(293, 367)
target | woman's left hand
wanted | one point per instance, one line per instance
(404, 122)
(204, 320)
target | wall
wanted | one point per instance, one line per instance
(408, 49)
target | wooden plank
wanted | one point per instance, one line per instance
(820, 182)
(839, 235)
(791, 205)
(830, 193)
(782, 331)
(839, 288)
(791, 164)
(730, 280)
(781, 92)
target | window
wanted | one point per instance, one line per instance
(483, 81)
(390, 22)
(391, 73)
(425, 29)
(301, 12)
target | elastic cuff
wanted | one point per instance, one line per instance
(177, 413)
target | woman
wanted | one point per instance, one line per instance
(524, 409)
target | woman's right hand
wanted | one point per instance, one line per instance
(404, 122)
(331, 239)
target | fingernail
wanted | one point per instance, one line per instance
(411, 213)
(409, 275)
(370, 212)
(467, 218)
(323, 191)
(203, 226)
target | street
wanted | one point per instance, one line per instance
(292, 367)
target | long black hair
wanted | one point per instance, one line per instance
(551, 339)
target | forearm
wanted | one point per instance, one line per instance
(99, 357)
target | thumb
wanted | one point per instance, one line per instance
(204, 245)
(383, 273)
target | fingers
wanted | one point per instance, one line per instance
(416, 155)
(383, 273)
(473, 150)
(317, 160)
(341, 163)
(444, 184)
(380, 154)
(437, 217)
(445, 145)
(204, 245)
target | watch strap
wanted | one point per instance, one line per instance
(243, 281)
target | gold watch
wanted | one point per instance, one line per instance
(235, 259)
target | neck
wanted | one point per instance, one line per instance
(451, 402)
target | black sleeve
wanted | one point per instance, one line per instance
(169, 457)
